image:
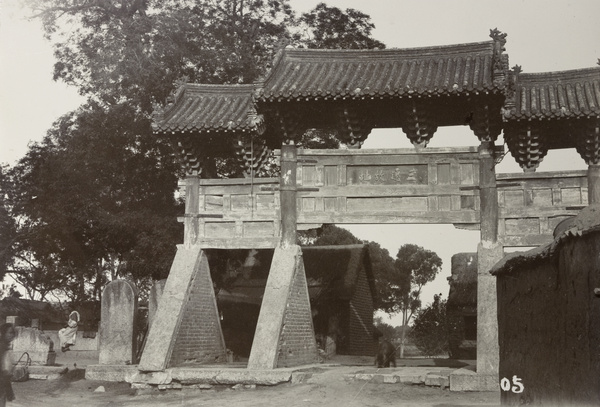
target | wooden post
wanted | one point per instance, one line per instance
(489, 252)
(288, 195)
(593, 177)
(190, 226)
(488, 193)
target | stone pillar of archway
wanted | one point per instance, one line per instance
(593, 176)
(588, 147)
(284, 333)
(489, 252)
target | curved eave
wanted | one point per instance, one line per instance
(308, 74)
(556, 95)
(208, 109)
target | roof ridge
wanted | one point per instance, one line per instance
(442, 48)
(575, 73)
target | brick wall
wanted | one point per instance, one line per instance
(549, 325)
(199, 338)
(360, 320)
(297, 345)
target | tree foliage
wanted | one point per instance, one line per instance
(430, 328)
(387, 331)
(414, 267)
(383, 270)
(137, 50)
(94, 200)
(330, 27)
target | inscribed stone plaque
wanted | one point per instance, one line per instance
(387, 174)
(258, 229)
(220, 229)
(213, 202)
(571, 196)
(407, 203)
(265, 201)
(522, 227)
(542, 197)
(117, 324)
(240, 202)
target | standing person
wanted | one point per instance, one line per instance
(68, 334)
(7, 334)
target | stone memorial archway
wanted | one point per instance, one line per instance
(355, 91)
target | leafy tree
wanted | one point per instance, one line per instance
(415, 267)
(8, 225)
(382, 265)
(97, 201)
(330, 27)
(137, 50)
(328, 235)
(430, 328)
(9, 291)
(387, 331)
(94, 200)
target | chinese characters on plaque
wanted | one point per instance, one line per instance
(387, 175)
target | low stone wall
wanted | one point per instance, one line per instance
(83, 342)
(42, 346)
(32, 346)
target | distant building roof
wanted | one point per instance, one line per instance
(564, 94)
(29, 309)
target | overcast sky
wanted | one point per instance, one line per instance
(543, 35)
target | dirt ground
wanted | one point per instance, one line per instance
(327, 387)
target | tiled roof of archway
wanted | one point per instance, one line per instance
(309, 74)
(206, 108)
(564, 94)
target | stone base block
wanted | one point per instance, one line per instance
(110, 373)
(467, 380)
(46, 372)
(232, 376)
(301, 377)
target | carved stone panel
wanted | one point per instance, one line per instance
(387, 175)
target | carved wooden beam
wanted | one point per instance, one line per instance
(252, 154)
(486, 123)
(192, 161)
(288, 125)
(419, 125)
(588, 141)
(526, 145)
(353, 126)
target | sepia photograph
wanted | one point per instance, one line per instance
(299, 203)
